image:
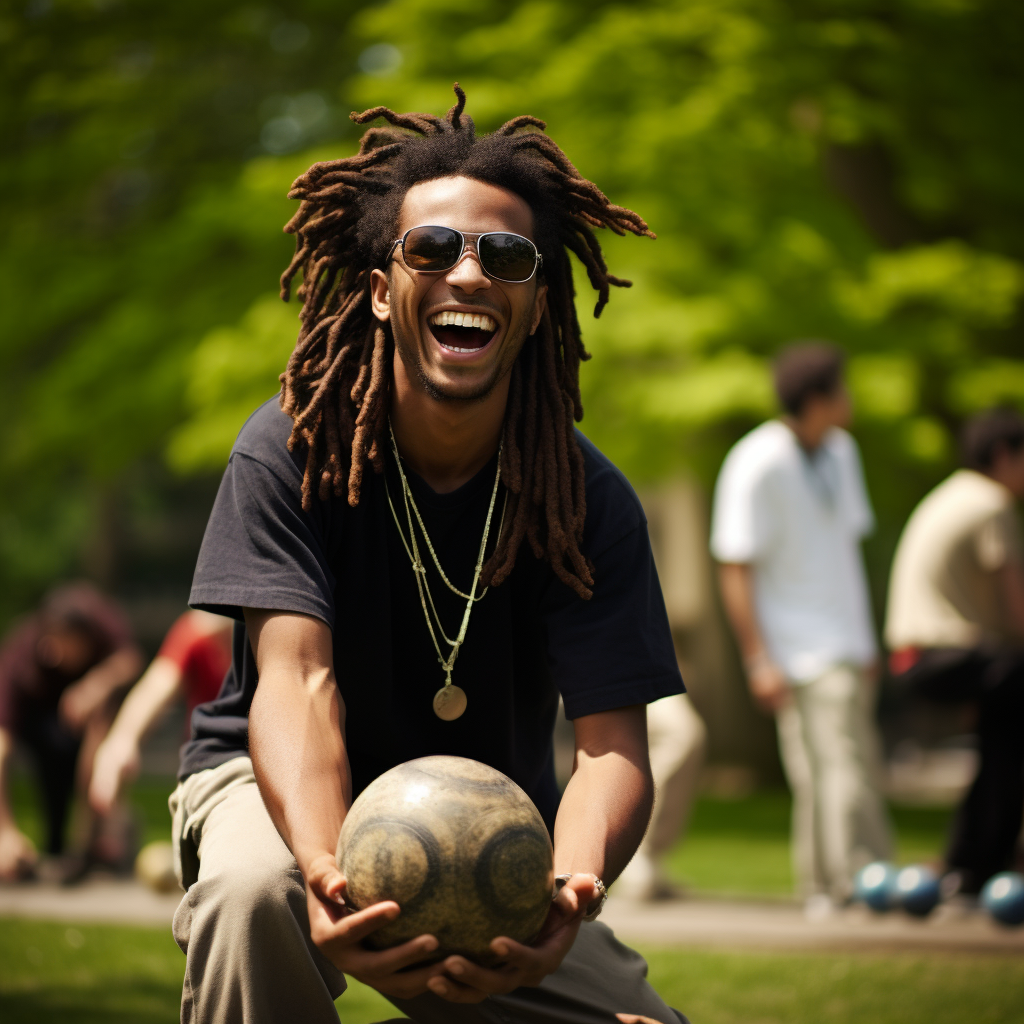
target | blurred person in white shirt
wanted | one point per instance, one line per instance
(790, 511)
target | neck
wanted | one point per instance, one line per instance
(809, 433)
(445, 442)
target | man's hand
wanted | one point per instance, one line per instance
(79, 702)
(338, 932)
(768, 684)
(462, 981)
(117, 762)
(636, 1018)
(17, 854)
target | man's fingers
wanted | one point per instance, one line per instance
(355, 927)
(454, 991)
(636, 1018)
(489, 980)
(398, 957)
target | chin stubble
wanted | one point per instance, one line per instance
(441, 394)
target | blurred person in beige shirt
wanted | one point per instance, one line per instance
(955, 626)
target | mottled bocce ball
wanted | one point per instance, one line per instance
(461, 849)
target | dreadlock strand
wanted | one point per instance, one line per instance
(454, 115)
(366, 417)
(522, 121)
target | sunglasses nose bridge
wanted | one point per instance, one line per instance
(457, 271)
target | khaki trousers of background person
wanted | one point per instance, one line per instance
(830, 752)
(677, 740)
(243, 927)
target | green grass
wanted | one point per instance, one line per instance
(741, 847)
(817, 988)
(54, 973)
(88, 974)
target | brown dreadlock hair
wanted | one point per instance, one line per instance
(336, 385)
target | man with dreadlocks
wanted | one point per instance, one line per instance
(439, 348)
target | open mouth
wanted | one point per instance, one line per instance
(462, 332)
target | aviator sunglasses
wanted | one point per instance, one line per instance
(432, 249)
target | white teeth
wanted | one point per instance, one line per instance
(448, 318)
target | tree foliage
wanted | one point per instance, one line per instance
(813, 168)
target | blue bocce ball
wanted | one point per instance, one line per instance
(1003, 897)
(917, 890)
(875, 885)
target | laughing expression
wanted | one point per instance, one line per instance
(458, 332)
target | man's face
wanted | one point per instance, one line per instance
(452, 363)
(1008, 468)
(65, 649)
(834, 410)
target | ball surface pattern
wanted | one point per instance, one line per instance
(461, 849)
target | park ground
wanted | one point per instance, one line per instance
(737, 849)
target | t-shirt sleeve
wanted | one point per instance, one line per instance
(179, 641)
(856, 504)
(260, 549)
(998, 540)
(615, 649)
(741, 518)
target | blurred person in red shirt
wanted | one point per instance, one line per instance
(63, 672)
(192, 662)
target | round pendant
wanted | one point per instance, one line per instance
(449, 702)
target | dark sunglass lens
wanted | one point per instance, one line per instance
(432, 248)
(507, 256)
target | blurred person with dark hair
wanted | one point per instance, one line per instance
(63, 671)
(955, 625)
(191, 663)
(790, 511)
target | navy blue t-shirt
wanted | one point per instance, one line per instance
(529, 639)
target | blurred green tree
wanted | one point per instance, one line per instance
(826, 168)
(136, 216)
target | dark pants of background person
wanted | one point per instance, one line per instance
(54, 750)
(987, 823)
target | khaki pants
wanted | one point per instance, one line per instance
(249, 958)
(830, 752)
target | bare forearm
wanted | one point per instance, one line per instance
(607, 804)
(115, 671)
(737, 586)
(299, 758)
(148, 700)
(602, 818)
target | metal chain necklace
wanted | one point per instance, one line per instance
(450, 701)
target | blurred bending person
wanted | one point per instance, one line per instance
(677, 740)
(192, 662)
(790, 511)
(955, 625)
(63, 672)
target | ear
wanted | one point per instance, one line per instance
(380, 295)
(540, 302)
